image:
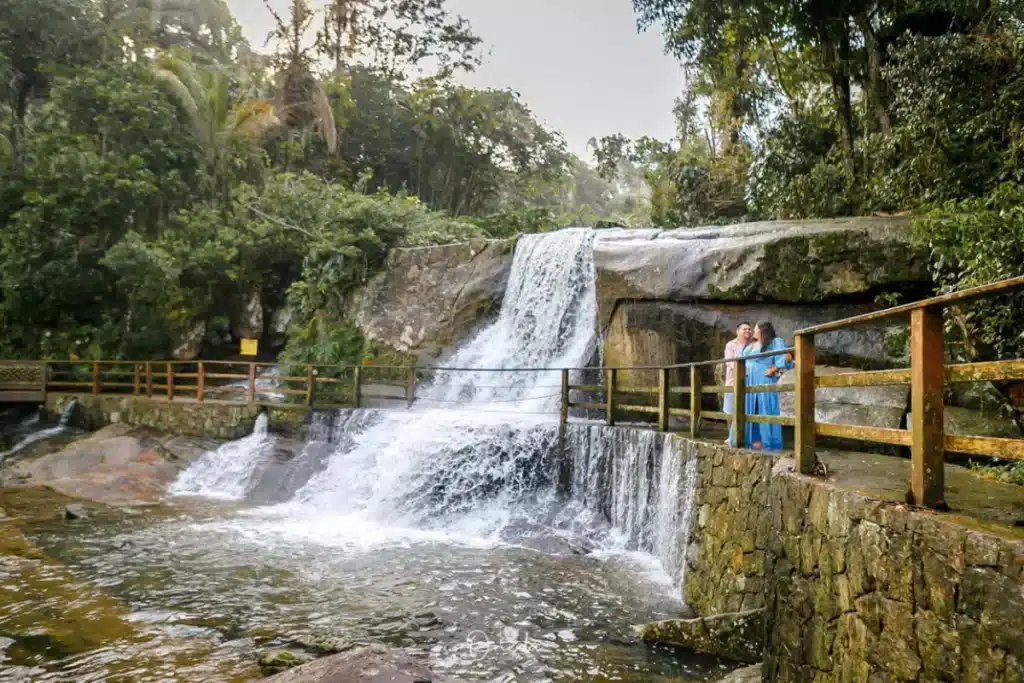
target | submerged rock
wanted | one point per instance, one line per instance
(75, 511)
(371, 664)
(748, 674)
(737, 635)
(282, 660)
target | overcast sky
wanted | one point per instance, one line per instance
(580, 65)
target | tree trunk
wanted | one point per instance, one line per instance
(874, 88)
(737, 114)
(837, 51)
(22, 92)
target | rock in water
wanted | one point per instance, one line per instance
(372, 664)
(282, 660)
(738, 636)
(75, 511)
(748, 674)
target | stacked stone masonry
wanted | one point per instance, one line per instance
(855, 588)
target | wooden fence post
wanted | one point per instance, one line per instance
(610, 396)
(927, 376)
(696, 396)
(410, 389)
(95, 377)
(251, 398)
(170, 381)
(201, 382)
(564, 417)
(804, 409)
(739, 410)
(137, 381)
(663, 399)
(309, 386)
(149, 379)
(357, 388)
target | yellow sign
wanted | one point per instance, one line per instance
(250, 347)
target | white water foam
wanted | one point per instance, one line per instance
(227, 473)
(63, 427)
(478, 455)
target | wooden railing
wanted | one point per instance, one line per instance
(635, 394)
(928, 376)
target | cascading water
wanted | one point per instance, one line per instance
(478, 455)
(35, 435)
(422, 528)
(227, 473)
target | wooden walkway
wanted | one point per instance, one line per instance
(664, 394)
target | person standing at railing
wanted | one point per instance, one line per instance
(762, 371)
(744, 333)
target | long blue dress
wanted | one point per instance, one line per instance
(770, 436)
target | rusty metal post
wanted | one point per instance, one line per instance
(309, 385)
(95, 377)
(610, 378)
(804, 410)
(927, 375)
(696, 396)
(357, 388)
(663, 399)
(149, 379)
(251, 398)
(739, 411)
(201, 382)
(170, 381)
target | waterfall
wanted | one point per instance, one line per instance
(478, 455)
(227, 473)
(643, 482)
(63, 426)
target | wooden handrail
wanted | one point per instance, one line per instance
(927, 378)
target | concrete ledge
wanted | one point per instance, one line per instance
(219, 420)
(738, 636)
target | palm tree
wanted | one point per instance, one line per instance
(219, 120)
(301, 100)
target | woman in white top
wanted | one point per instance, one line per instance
(744, 334)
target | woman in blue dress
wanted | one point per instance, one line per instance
(762, 371)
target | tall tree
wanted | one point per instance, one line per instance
(35, 37)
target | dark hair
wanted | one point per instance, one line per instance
(767, 333)
(741, 324)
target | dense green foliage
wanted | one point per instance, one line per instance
(157, 172)
(820, 109)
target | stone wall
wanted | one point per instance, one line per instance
(727, 557)
(211, 419)
(865, 590)
(855, 588)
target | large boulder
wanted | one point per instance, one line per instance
(189, 341)
(248, 322)
(371, 664)
(118, 465)
(785, 261)
(428, 299)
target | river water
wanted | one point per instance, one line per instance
(458, 530)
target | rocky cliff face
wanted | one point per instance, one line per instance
(676, 296)
(429, 299)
